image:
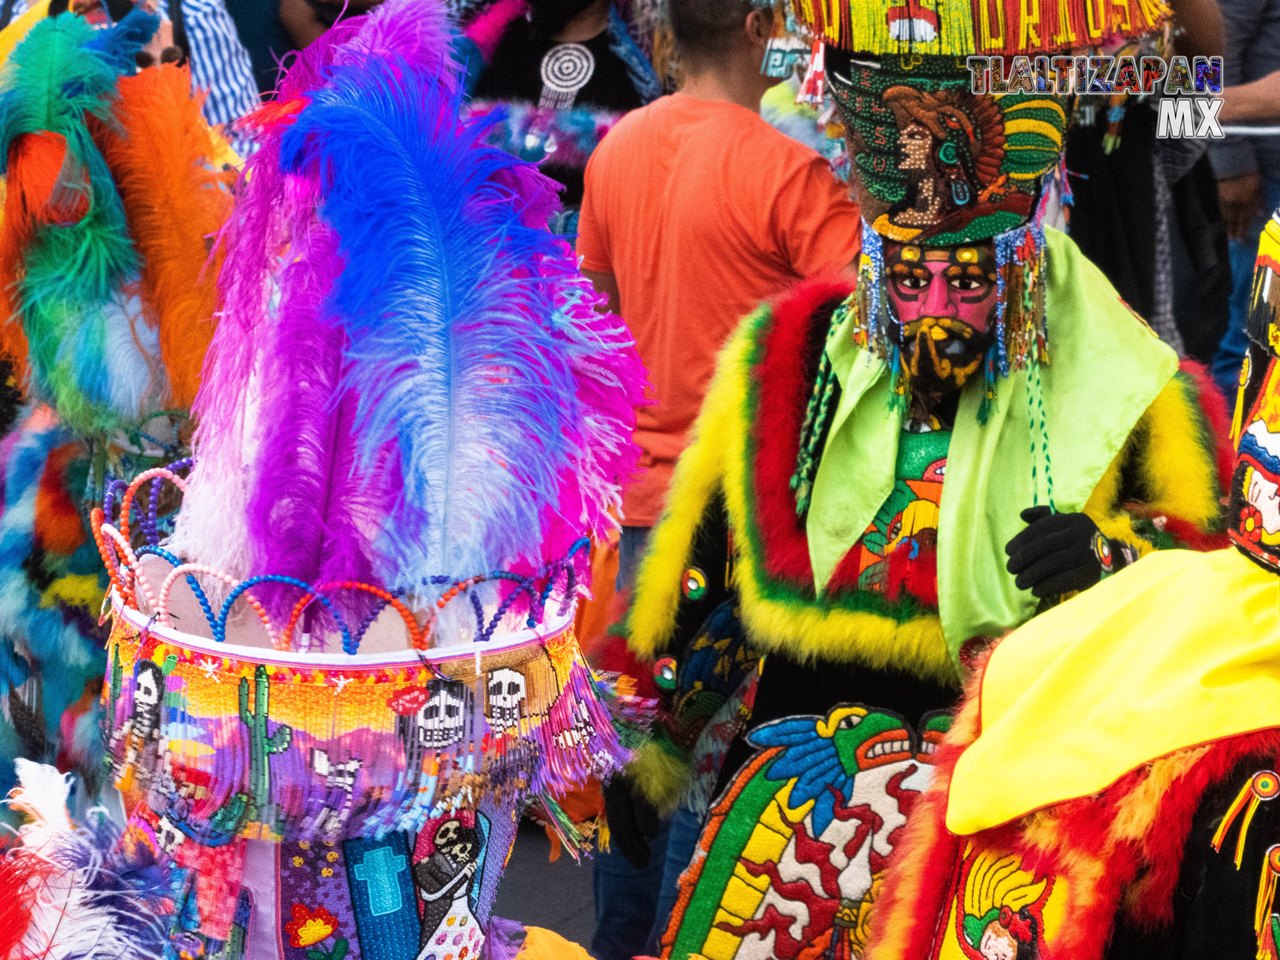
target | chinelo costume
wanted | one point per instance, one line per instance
(883, 477)
(1108, 789)
(332, 689)
(114, 188)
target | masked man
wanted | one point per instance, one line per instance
(1108, 789)
(904, 469)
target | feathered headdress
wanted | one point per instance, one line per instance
(412, 383)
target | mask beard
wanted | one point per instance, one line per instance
(549, 17)
(940, 354)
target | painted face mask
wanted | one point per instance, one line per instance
(944, 299)
(935, 164)
(1255, 486)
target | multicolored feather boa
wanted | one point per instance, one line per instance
(113, 194)
(565, 138)
(75, 892)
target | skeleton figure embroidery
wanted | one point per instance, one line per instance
(142, 729)
(340, 777)
(444, 882)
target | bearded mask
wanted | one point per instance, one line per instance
(943, 300)
(1255, 484)
(937, 168)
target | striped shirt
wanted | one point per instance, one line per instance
(220, 64)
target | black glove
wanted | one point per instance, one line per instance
(1060, 552)
(632, 820)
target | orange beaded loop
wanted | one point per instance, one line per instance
(110, 559)
(126, 501)
(417, 633)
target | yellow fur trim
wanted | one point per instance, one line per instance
(1177, 461)
(812, 630)
(83, 590)
(660, 775)
(1106, 510)
(652, 616)
(1178, 472)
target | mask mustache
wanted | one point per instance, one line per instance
(942, 349)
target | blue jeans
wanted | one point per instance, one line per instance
(627, 897)
(627, 901)
(1235, 342)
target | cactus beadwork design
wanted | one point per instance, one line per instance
(262, 745)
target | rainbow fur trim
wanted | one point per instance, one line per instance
(564, 138)
(50, 652)
(66, 257)
(744, 445)
(51, 590)
(113, 195)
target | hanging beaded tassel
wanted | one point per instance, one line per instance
(813, 431)
(869, 328)
(1022, 339)
(867, 332)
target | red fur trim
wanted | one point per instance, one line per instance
(614, 656)
(1217, 417)
(1177, 812)
(783, 374)
(1104, 873)
(917, 577)
(1192, 537)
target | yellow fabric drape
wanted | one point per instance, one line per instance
(1180, 649)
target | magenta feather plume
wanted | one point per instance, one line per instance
(307, 507)
(412, 383)
(415, 32)
(486, 29)
(297, 506)
(609, 386)
(453, 353)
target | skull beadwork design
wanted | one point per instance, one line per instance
(506, 689)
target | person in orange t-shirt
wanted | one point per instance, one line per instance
(695, 211)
